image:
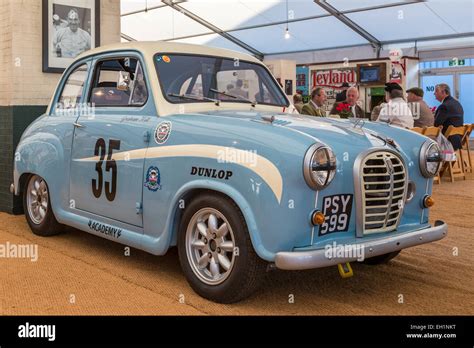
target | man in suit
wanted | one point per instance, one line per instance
(422, 114)
(315, 105)
(449, 113)
(352, 96)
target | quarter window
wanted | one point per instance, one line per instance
(72, 92)
(119, 82)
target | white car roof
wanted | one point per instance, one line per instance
(153, 47)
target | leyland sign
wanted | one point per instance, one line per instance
(333, 77)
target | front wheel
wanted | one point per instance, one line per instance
(37, 207)
(215, 251)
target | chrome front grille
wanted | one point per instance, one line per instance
(383, 184)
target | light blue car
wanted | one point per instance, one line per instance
(155, 145)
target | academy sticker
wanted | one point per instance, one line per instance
(162, 132)
(152, 179)
(105, 229)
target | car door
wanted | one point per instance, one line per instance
(105, 180)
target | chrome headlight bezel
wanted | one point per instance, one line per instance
(311, 167)
(430, 153)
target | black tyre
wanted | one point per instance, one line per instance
(37, 207)
(215, 251)
(377, 260)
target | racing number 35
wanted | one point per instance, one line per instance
(100, 149)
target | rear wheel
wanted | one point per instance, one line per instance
(377, 260)
(37, 207)
(215, 251)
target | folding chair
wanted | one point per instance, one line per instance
(432, 132)
(417, 129)
(466, 147)
(456, 169)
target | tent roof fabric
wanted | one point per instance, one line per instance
(259, 26)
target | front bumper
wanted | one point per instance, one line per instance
(298, 260)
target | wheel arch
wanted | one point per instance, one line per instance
(191, 190)
(42, 155)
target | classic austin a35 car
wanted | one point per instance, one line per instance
(155, 145)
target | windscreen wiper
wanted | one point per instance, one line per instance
(193, 97)
(234, 96)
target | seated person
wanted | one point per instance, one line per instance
(352, 96)
(449, 113)
(238, 90)
(396, 112)
(316, 104)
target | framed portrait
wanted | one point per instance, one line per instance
(70, 27)
(289, 87)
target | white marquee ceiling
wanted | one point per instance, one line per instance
(259, 26)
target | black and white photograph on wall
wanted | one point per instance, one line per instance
(69, 29)
(288, 87)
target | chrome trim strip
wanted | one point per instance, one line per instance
(423, 210)
(413, 191)
(300, 260)
(390, 197)
(315, 206)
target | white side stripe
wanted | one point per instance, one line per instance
(262, 167)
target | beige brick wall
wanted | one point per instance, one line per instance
(22, 81)
(284, 70)
(5, 52)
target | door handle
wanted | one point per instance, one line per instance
(146, 136)
(78, 125)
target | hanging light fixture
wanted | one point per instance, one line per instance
(287, 32)
(146, 6)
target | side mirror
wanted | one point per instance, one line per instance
(123, 83)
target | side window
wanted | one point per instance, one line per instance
(139, 90)
(119, 82)
(72, 91)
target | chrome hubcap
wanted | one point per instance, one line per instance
(210, 246)
(37, 199)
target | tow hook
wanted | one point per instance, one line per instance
(345, 270)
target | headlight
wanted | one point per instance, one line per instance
(430, 159)
(319, 166)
